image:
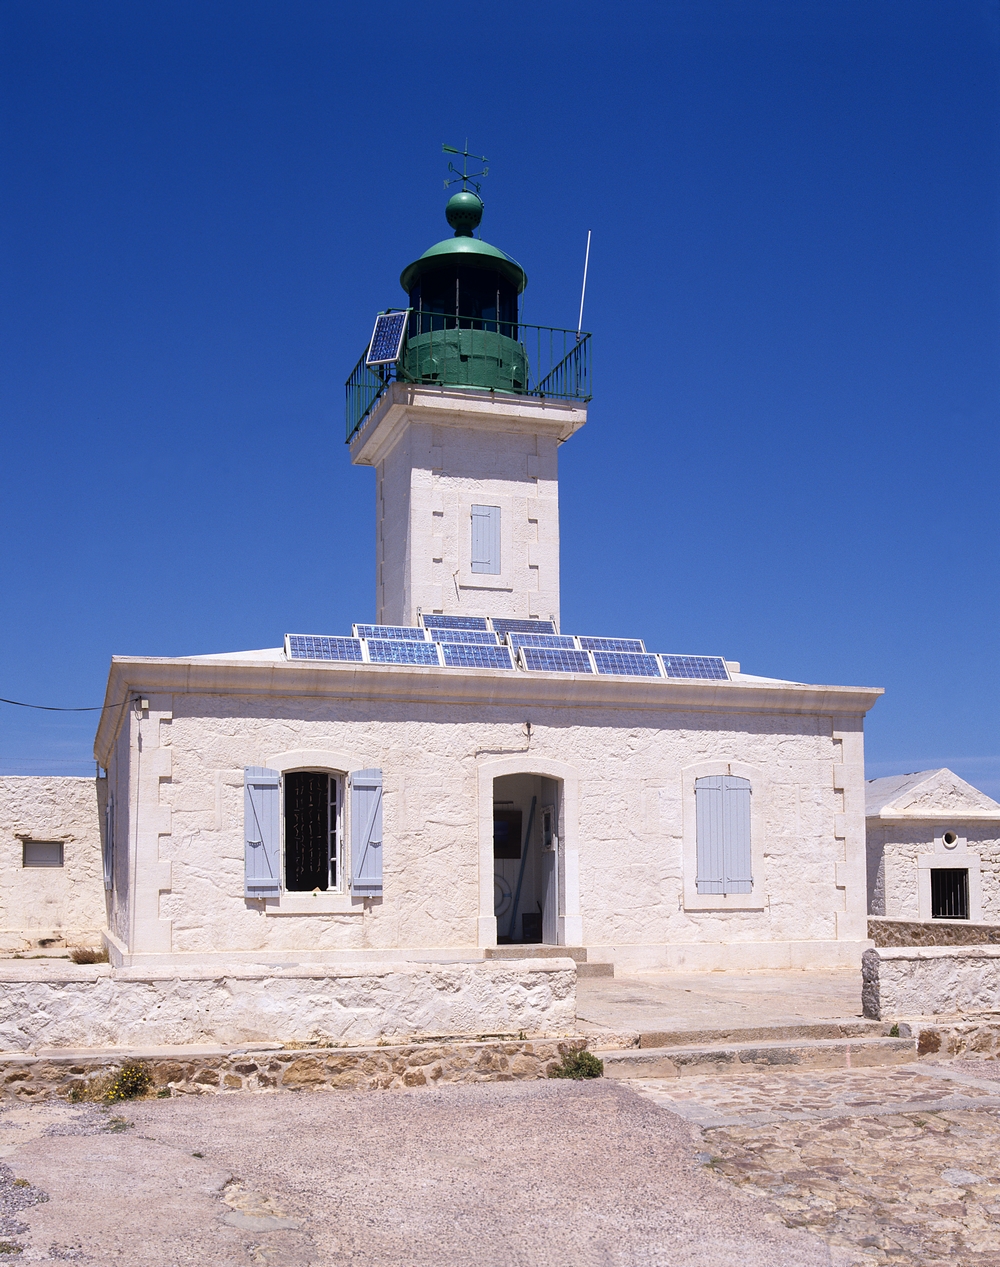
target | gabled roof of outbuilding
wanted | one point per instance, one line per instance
(927, 794)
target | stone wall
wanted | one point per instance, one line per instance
(931, 981)
(83, 1075)
(45, 1007)
(55, 905)
(937, 932)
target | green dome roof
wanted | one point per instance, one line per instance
(464, 211)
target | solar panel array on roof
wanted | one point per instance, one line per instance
(626, 664)
(555, 641)
(435, 621)
(612, 644)
(481, 636)
(387, 338)
(463, 655)
(695, 666)
(466, 642)
(555, 660)
(317, 647)
(504, 626)
(397, 633)
(388, 651)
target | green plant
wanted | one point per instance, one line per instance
(8, 1247)
(89, 954)
(132, 1080)
(894, 1032)
(578, 1064)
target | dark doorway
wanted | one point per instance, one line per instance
(949, 893)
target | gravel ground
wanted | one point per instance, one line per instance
(499, 1175)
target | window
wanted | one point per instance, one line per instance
(949, 893)
(42, 853)
(722, 810)
(312, 831)
(486, 540)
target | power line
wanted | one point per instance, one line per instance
(50, 708)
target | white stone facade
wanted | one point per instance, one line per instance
(53, 905)
(919, 822)
(437, 453)
(927, 981)
(624, 754)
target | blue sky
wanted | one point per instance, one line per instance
(792, 451)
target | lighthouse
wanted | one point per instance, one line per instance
(462, 418)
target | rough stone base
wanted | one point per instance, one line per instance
(80, 1075)
(48, 1005)
(890, 931)
(947, 981)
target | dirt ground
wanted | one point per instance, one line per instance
(500, 1175)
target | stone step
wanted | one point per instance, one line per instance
(533, 950)
(771, 1057)
(594, 970)
(763, 1034)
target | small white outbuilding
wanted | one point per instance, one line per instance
(933, 844)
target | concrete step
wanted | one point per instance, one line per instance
(763, 1033)
(594, 970)
(737, 1058)
(533, 950)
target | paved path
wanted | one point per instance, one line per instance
(897, 1165)
(717, 1000)
(502, 1175)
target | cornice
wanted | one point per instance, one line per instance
(411, 684)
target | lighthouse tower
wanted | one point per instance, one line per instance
(463, 428)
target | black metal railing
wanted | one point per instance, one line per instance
(449, 350)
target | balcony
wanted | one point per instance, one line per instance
(443, 350)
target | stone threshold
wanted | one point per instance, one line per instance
(270, 1067)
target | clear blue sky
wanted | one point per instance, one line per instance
(792, 452)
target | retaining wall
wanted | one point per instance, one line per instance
(885, 931)
(926, 981)
(100, 1007)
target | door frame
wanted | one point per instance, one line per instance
(570, 921)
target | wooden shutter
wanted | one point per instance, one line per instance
(366, 833)
(109, 843)
(709, 819)
(736, 835)
(486, 539)
(261, 831)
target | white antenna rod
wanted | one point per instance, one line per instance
(583, 293)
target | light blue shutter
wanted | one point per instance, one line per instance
(736, 834)
(486, 539)
(366, 833)
(109, 843)
(708, 796)
(261, 831)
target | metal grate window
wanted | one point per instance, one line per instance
(949, 893)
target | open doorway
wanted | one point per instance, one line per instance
(526, 858)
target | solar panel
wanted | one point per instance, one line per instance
(613, 644)
(626, 663)
(389, 651)
(695, 666)
(504, 626)
(555, 660)
(566, 641)
(435, 621)
(317, 647)
(481, 636)
(397, 633)
(387, 338)
(462, 655)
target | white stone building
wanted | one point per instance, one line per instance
(51, 890)
(398, 795)
(933, 844)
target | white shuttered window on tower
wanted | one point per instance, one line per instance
(722, 804)
(486, 540)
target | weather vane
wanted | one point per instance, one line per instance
(464, 175)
